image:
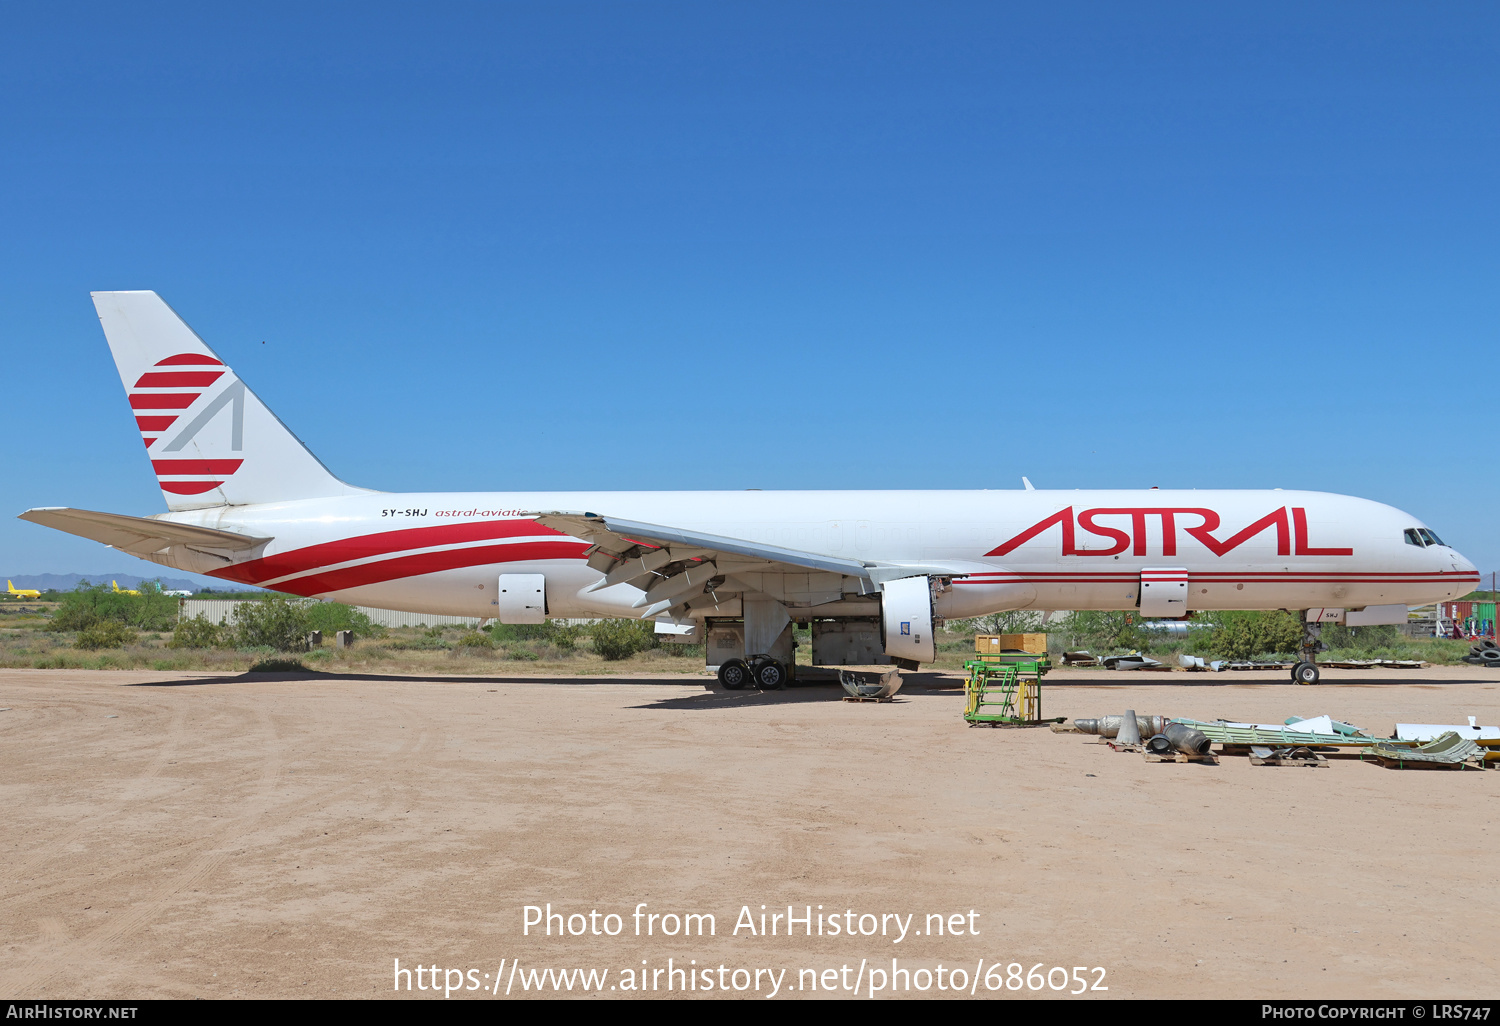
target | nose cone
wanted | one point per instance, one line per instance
(1461, 564)
(1462, 576)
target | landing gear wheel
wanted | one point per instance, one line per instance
(770, 675)
(1305, 673)
(734, 674)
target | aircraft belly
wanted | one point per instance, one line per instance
(470, 591)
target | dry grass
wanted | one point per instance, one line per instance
(404, 651)
(24, 643)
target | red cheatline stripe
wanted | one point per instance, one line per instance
(179, 379)
(154, 423)
(429, 563)
(313, 556)
(196, 466)
(148, 441)
(163, 401)
(189, 487)
(182, 358)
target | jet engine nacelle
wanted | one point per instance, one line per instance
(906, 619)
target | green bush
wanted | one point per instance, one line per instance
(197, 633)
(1099, 628)
(475, 639)
(563, 637)
(1242, 634)
(553, 633)
(105, 634)
(1012, 621)
(277, 666)
(278, 623)
(1360, 639)
(90, 604)
(621, 639)
(332, 617)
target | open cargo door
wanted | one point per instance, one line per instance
(1164, 591)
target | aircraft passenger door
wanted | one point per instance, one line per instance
(1164, 591)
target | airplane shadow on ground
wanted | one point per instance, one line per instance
(713, 695)
(716, 696)
(317, 677)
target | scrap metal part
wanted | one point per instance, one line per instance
(870, 681)
(1187, 740)
(1246, 734)
(1447, 750)
(1109, 726)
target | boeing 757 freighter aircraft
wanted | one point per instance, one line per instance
(871, 571)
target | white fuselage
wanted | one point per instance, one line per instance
(442, 552)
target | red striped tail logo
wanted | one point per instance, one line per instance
(165, 395)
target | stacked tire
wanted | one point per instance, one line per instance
(1486, 653)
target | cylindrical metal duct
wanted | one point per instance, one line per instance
(1159, 745)
(1189, 740)
(1109, 726)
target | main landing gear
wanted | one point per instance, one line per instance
(1306, 670)
(764, 672)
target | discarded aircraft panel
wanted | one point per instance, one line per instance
(1448, 750)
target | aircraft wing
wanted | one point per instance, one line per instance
(139, 536)
(672, 565)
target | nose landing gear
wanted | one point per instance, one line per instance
(1306, 670)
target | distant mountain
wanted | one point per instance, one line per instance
(67, 582)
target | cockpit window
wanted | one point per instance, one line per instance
(1429, 537)
(1413, 538)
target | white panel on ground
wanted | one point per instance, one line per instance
(1164, 591)
(523, 598)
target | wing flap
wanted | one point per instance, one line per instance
(673, 566)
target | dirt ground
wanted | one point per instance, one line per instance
(185, 835)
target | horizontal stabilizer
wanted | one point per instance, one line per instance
(139, 536)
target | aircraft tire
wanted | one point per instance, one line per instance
(734, 674)
(770, 675)
(1305, 673)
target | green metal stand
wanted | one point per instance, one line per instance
(1008, 692)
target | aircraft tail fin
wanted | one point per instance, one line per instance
(211, 441)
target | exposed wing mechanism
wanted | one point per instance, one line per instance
(679, 570)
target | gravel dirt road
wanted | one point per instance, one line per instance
(182, 835)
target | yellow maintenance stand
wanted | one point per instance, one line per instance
(1005, 680)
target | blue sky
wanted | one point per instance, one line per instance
(503, 246)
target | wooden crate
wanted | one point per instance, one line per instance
(994, 644)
